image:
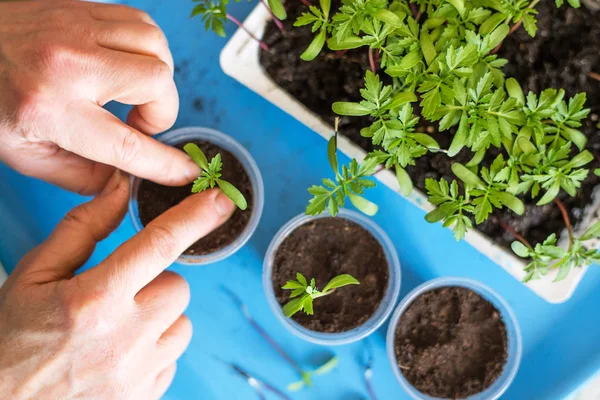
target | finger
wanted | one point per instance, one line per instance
(109, 141)
(74, 239)
(174, 341)
(116, 12)
(47, 161)
(134, 37)
(143, 81)
(163, 381)
(141, 259)
(163, 300)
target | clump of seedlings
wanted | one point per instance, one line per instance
(303, 293)
(440, 66)
(211, 176)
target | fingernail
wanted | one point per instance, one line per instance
(113, 182)
(192, 170)
(223, 204)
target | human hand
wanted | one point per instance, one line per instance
(60, 62)
(114, 331)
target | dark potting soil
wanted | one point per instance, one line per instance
(155, 199)
(565, 50)
(451, 343)
(323, 249)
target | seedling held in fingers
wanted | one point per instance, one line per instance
(211, 176)
(303, 293)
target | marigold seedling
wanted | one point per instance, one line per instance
(211, 176)
(303, 293)
(441, 62)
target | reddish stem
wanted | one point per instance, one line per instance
(594, 75)
(414, 10)
(306, 3)
(565, 216)
(510, 32)
(514, 233)
(275, 19)
(262, 44)
(372, 61)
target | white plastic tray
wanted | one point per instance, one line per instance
(240, 60)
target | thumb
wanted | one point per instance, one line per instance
(74, 239)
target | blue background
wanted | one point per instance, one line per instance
(560, 341)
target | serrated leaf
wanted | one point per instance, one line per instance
(233, 193)
(410, 60)
(427, 47)
(325, 7)
(563, 271)
(388, 17)
(293, 306)
(530, 24)
(460, 138)
(400, 99)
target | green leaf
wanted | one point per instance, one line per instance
(511, 202)
(350, 109)
(388, 17)
(520, 249)
(580, 160)
(332, 154)
(575, 136)
(293, 285)
(400, 99)
(406, 185)
(468, 177)
(563, 271)
(325, 7)
(498, 35)
(427, 47)
(514, 90)
(277, 9)
(592, 232)
(436, 215)
(351, 42)
(549, 195)
(363, 205)
(197, 155)
(315, 46)
(491, 23)
(233, 193)
(340, 281)
(293, 306)
(574, 3)
(410, 60)
(459, 5)
(530, 24)
(460, 138)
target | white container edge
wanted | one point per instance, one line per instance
(240, 60)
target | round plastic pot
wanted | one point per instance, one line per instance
(512, 329)
(381, 314)
(185, 135)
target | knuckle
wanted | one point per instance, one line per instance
(87, 311)
(155, 34)
(160, 71)
(163, 240)
(79, 215)
(128, 148)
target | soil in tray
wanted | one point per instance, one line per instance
(451, 343)
(322, 249)
(155, 199)
(564, 51)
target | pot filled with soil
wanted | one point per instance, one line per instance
(563, 54)
(454, 338)
(148, 200)
(348, 253)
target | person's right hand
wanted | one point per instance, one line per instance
(60, 62)
(116, 330)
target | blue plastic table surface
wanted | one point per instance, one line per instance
(560, 342)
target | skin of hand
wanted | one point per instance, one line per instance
(60, 62)
(116, 330)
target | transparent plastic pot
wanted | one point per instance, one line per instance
(184, 135)
(377, 319)
(515, 346)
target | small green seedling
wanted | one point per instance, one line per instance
(304, 293)
(211, 176)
